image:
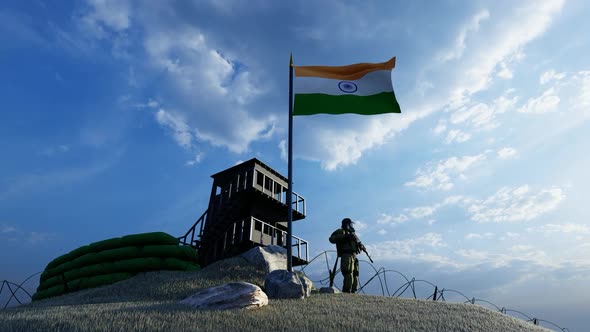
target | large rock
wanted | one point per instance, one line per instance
(282, 284)
(228, 296)
(307, 284)
(329, 290)
(269, 258)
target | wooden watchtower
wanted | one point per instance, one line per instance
(247, 208)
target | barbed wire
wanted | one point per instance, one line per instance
(436, 295)
(14, 292)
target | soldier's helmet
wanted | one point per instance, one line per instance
(346, 222)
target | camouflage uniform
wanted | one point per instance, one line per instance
(347, 248)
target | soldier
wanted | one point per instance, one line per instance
(348, 246)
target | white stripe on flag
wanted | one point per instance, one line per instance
(372, 83)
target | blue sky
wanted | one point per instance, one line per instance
(115, 113)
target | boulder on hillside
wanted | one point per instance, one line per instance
(329, 290)
(307, 284)
(282, 284)
(234, 295)
(269, 258)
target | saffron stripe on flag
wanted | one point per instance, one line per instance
(350, 72)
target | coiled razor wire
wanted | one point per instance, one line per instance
(380, 274)
(410, 284)
(14, 293)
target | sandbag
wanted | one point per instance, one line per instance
(145, 239)
(180, 252)
(128, 254)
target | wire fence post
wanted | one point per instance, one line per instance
(435, 291)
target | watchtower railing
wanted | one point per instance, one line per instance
(192, 232)
(276, 190)
(254, 178)
(260, 232)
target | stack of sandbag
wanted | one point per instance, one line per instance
(112, 260)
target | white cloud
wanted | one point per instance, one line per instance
(551, 75)
(284, 150)
(151, 104)
(458, 136)
(459, 47)
(421, 211)
(7, 228)
(104, 16)
(196, 160)
(391, 220)
(563, 228)
(381, 232)
(360, 226)
(440, 175)
(38, 237)
(502, 41)
(515, 204)
(518, 253)
(31, 238)
(476, 236)
(504, 103)
(440, 127)
(214, 88)
(481, 115)
(177, 124)
(504, 72)
(339, 141)
(545, 103)
(409, 249)
(582, 80)
(507, 153)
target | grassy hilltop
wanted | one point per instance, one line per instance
(149, 302)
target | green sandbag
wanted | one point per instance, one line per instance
(93, 258)
(117, 254)
(145, 239)
(180, 252)
(142, 239)
(138, 264)
(50, 292)
(99, 280)
(83, 250)
(48, 283)
(87, 271)
(177, 264)
(58, 261)
(106, 245)
(68, 257)
(68, 261)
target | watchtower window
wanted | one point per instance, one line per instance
(267, 229)
(278, 192)
(268, 183)
(259, 178)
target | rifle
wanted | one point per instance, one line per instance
(365, 251)
(362, 247)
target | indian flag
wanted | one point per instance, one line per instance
(362, 88)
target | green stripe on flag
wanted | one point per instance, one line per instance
(315, 103)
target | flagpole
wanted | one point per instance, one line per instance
(290, 180)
